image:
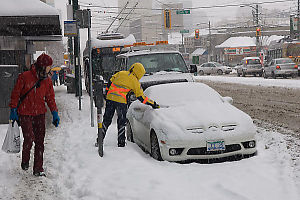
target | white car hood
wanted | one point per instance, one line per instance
(204, 115)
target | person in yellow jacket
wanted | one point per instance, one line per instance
(118, 87)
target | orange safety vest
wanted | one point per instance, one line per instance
(118, 90)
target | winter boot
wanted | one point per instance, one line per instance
(39, 174)
(25, 166)
(121, 143)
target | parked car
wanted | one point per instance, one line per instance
(249, 65)
(193, 122)
(284, 67)
(213, 68)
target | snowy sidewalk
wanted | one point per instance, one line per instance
(75, 171)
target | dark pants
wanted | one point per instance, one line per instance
(33, 128)
(121, 108)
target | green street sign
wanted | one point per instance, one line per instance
(184, 31)
(178, 12)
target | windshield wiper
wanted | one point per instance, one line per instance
(173, 70)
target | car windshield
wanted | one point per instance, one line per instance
(160, 62)
(253, 61)
(217, 64)
(284, 61)
(189, 92)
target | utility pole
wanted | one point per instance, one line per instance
(70, 44)
(209, 51)
(298, 23)
(77, 57)
(257, 26)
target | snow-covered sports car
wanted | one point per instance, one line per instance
(194, 122)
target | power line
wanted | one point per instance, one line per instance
(199, 7)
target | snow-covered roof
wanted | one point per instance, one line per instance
(266, 40)
(199, 51)
(26, 8)
(238, 42)
(110, 43)
(248, 41)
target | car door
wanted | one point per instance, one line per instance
(213, 68)
(270, 68)
(206, 68)
(138, 126)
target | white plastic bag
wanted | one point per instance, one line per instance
(11, 142)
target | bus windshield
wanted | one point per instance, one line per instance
(108, 62)
(160, 62)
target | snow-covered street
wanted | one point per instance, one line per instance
(75, 171)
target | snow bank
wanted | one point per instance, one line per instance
(287, 83)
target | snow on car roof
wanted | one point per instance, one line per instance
(26, 8)
(143, 52)
(168, 94)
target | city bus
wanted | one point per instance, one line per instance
(285, 49)
(105, 48)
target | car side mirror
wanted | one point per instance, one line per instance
(228, 100)
(193, 68)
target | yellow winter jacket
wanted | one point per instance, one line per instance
(122, 83)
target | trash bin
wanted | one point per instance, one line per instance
(8, 78)
(70, 82)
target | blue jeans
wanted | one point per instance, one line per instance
(121, 108)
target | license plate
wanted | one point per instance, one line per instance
(215, 145)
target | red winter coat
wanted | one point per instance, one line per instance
(34, 103)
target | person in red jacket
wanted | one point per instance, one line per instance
(32, 89)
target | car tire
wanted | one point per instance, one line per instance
(243, 74)
(238, 75)
(260, 74)
(201, 73)
(129, 133)
(219, 72)
(155, 150)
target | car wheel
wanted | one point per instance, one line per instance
(254, 75)
(294, 75)
(201, 73)
(219, 72)
(260, 74)
(273, 75)
(129, 133)
(155, 150)
(238, 74)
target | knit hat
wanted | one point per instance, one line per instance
(43, 61)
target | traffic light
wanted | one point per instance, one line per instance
(167, 17)
(197, 34)
(258, 32)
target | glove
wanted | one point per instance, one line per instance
(13, 115)
(56, 119)
(155, 105)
